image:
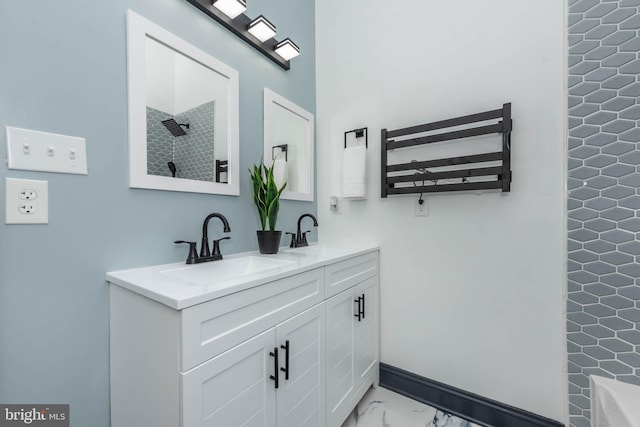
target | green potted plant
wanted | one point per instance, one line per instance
(266, 196)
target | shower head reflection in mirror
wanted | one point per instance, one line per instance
(172, 126)
(183, 111)
(289, 140)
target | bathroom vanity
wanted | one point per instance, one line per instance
(251, 340)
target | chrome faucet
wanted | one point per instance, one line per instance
(205, 252)
(299, 239)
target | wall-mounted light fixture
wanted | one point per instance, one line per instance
(258, 32)
(287, 49)
(262, 29)
(231, 8)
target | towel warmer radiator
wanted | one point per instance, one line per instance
(492, 177)
(222, 167)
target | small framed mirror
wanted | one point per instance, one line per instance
(289, 142)
(183, 114)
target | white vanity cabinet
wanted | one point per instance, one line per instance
(352, 338)
(269, 355)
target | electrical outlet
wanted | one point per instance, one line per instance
(333, 204)
(26, 201)
(26, 209)
(422, 209)
(28, 194)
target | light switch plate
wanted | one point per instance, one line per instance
(26, 201)
(45, 152)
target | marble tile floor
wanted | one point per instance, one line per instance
(384, 408)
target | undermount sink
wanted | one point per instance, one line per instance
(319, 250)
(180, 286)
(226, 269)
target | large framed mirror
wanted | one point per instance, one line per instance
(183, 114)
(289, 142)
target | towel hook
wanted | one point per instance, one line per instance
(359, 133)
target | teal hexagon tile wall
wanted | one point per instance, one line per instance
(603, 307)
(192, 154)
(159, 143)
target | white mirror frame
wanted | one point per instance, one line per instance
(138, 28)
(272, 99)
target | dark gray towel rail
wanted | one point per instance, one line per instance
(463, 167)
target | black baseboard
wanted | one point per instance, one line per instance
(477, 409)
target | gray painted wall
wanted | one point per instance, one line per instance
(604, 197)
(64, 71)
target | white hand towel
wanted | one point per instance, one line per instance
(354, 172)
(280, 170)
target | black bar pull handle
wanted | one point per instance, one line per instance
(363, 306)
(276, 375)
(359, 315)
(285, 347)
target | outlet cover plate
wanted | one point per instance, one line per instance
(421, 209)
(32, 210)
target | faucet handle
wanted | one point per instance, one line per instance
(303, 238)
(193, 253)
(293, 239)
(216, 246)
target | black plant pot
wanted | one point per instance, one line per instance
(269, 241)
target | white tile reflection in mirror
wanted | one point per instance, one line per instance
(183, 114)
(383, 408)
(289, 127)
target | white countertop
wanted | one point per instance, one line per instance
(179, 285)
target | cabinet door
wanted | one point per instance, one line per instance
(340, 367)
(301, 397)
(366, 336)
(234, 388)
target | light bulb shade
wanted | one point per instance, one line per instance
(287, 49)
(262, 29)
(231, 8)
